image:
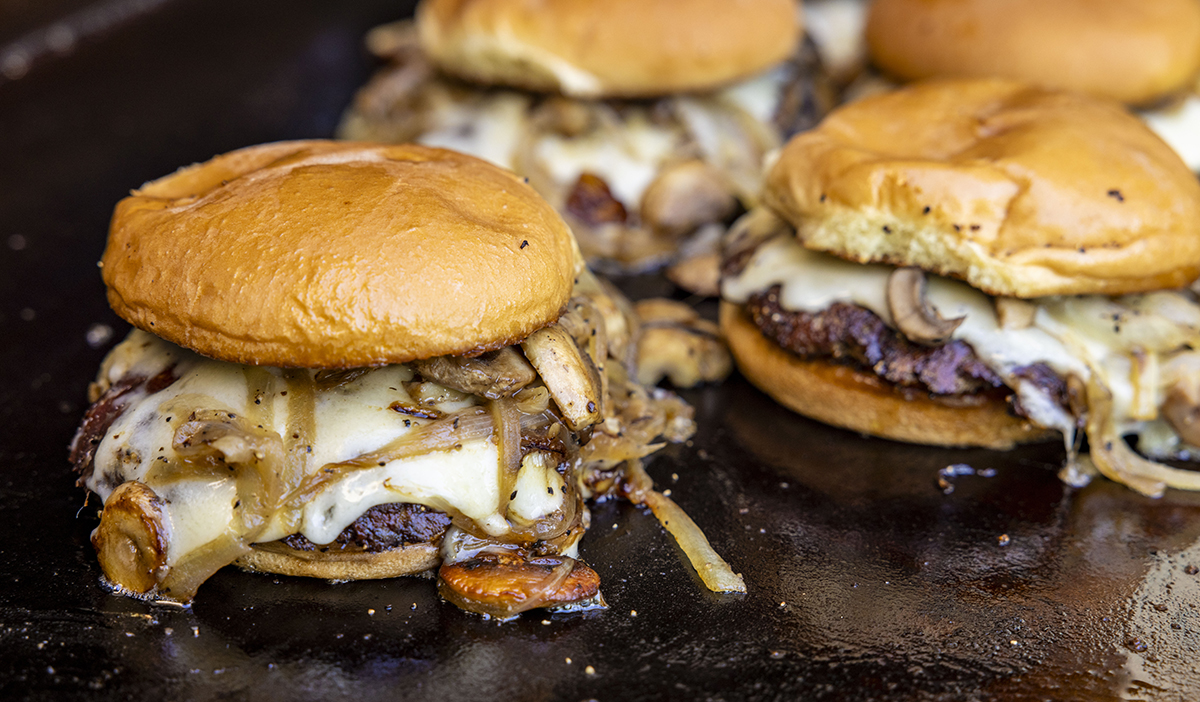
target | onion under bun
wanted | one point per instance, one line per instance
(320, 254)
(840, 395)
(1135, 51)
(1019, 191)
(608, 48)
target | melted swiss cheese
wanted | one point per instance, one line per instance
(349, 421)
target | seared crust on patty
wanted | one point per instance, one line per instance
(382, 528)
(844, 396)
(856, 335)
(387, 541)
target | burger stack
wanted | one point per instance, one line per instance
(366, 359)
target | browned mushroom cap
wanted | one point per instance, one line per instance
(130, 541)
(503, 586)
(912, 313)
(746, 235)
(685, 196)
(677, 343)
(492, 375)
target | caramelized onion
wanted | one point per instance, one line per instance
(712, 569)
(472, 424)
(1118, 462)
(254, 454)
(507, 436)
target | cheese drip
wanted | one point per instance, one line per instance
(348, 421)
(1118, 346)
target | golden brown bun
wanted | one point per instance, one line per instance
(275, 557)
(1019, 191)
(608, 48)
(335, 255)
(844, 397)
(1135, 51)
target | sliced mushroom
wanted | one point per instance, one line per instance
(1013, 313)
(698, 269)
(685, 196)
(912, 313)
(503, 586)
(571, 377)
(678, 344)
(1183, 414)
(569, 118)
(131, 542)
(746, 235)
(621, 323)
(492, 375)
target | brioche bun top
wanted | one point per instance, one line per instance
(1019, 191)
(608, 48)
(321, 254)
(1134, 51)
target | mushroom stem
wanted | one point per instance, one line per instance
(912, 313)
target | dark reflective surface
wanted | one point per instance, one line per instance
(866, 580)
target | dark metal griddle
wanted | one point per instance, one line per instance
(866, 581)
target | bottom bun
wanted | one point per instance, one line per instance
(845, 397)
(275, 557)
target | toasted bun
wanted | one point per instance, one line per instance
(844, 397)
(335, 255)
(1019, 191)
(1135, 51)
(608, 48)
(275, 557)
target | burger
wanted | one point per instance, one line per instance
(644, 122)
(1144, 54)
(355, 361)
(980, 263)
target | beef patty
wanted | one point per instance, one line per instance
(381, 528)
(858, 337)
